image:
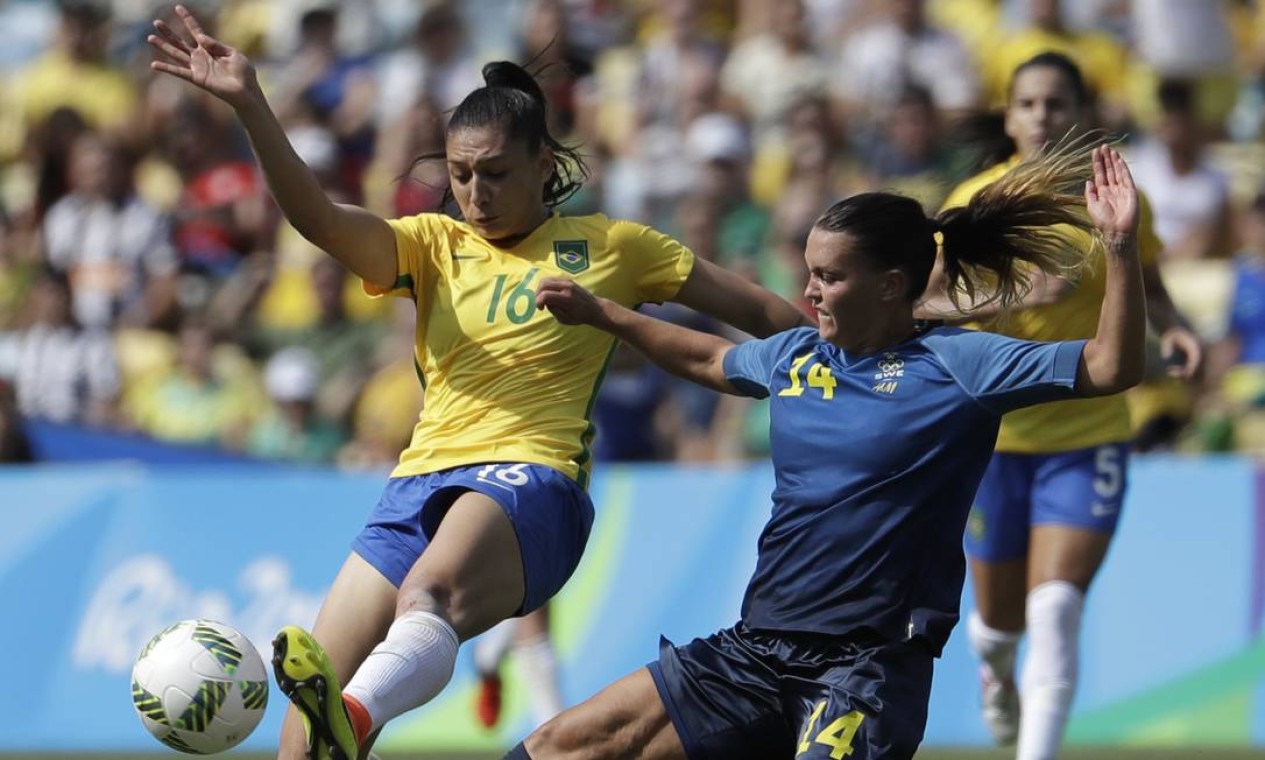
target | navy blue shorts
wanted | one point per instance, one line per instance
(1083, 488)
(742, 694)
(552, 517)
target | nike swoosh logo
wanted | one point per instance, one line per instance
(464, 257)
(1102, 510)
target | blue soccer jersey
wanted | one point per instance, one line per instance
(877, 459)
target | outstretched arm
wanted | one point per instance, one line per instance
(363, 242)
(736, 301)
(1114, 359)
(693, 355)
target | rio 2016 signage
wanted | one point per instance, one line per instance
(95, 560)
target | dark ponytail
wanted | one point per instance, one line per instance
(513, 101)
(1020, 221)
(987, 245)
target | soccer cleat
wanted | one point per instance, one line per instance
(1000, 702)
(303, 672)
(488, 708)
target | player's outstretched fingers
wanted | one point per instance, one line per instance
(171, 38)
(1100, 168)
(1110, 158)
(169, 50)
(195, 29)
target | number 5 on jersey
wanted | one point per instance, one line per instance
(837, 736)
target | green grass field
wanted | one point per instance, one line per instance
(1076, 753)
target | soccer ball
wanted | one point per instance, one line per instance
(199, 687)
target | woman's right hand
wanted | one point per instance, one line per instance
(199, 58)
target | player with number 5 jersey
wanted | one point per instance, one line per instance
(486, 515)
(1052, 495)
(880, 432)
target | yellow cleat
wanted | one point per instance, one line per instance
(303, 672)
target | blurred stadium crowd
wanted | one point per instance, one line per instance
(148, 284)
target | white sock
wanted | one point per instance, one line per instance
(540, 672)
(995, 649)
(407, 669)
(492, 646)
(1049, 673)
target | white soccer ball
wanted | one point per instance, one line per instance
(199, 687)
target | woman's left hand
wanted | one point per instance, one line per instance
(568, 301)
(1182, 352)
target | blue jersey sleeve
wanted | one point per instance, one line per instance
(749, 366)
(1005, 374)
(1242, 304)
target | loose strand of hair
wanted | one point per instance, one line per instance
(1023, 220)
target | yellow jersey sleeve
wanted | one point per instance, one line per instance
(658, 264)
(418, 241)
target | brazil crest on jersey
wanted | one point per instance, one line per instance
(504, 381)
(876, 461)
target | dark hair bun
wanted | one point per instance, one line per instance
(512, 76)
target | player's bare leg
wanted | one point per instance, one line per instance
(469, 578)
(625, 720)
(1062, 563)
(1000, 589)
(353, 618)
(1064, 553)
(994, 628)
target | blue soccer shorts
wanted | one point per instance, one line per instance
(1083, 488)
(741, 694)
(551, 514)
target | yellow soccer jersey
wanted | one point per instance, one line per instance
(1078, 423)
(504, 381)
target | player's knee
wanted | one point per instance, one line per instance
(433, 595)
(467, 612)
(1055, 606)
(1054, 618)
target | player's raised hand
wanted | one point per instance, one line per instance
(568, 301)
(195, 56)
(1111, 197)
